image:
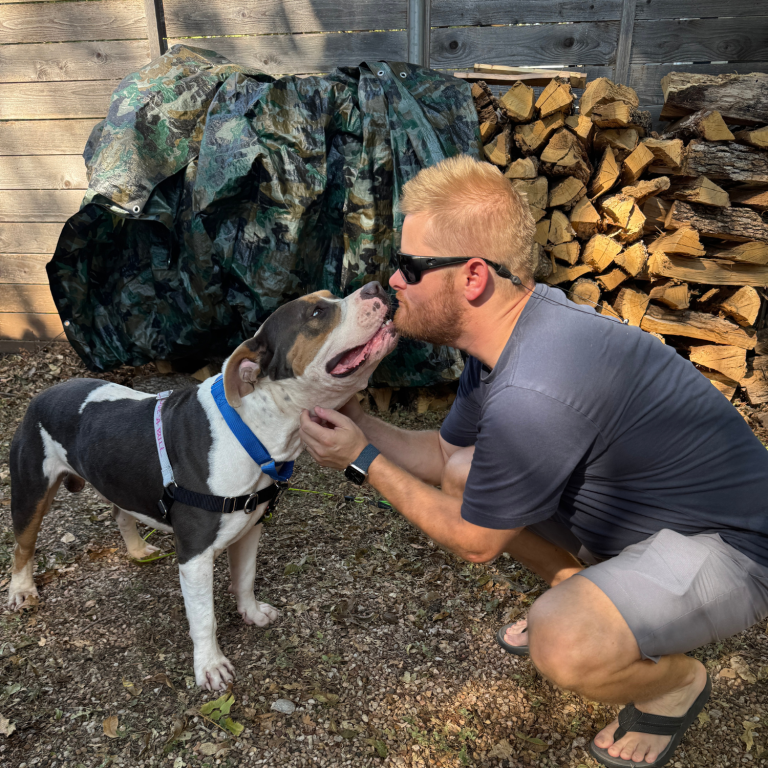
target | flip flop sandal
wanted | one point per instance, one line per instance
(632, 719)
(518, 650)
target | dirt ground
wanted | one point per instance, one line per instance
(384, 649)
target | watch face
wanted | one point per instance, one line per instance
(354, 474)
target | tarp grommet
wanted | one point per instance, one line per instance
(402, 74)
(381, 73)
(136, 209)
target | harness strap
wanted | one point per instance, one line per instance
(165, 463)
(220, 504)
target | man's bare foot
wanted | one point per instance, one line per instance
(645, 746)
(517, 633)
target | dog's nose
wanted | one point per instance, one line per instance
(373, 290)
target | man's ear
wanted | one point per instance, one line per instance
(241, 371)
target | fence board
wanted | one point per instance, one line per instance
(185, 18)
(29, 238)
(26, 298)
(24, 268)
(694, 9)
(452, 13)
(44, 137)
(60, 22)
(646, 78)
(27, 327)
(308, 54)
(48, 205)
(72, 61)
(43, 172)
(701, 40)
(553, 44)
(49, 101)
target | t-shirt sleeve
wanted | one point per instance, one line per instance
(460, 425)
(527, 448)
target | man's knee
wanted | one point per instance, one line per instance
(456, 471)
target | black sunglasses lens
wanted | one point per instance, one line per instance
(408, 269)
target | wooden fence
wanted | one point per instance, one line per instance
(60, 61)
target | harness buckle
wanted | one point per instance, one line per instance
(247, 508)
(282, 486)
(163, 505)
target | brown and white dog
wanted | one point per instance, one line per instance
(316, 350)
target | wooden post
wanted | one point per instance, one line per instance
(153, 10)
(624, 46)
(418, 32)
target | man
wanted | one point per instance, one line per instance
(572, 434)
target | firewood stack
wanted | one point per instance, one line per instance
(664, 231)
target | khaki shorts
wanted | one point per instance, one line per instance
(675, 592)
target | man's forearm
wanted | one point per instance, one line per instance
(417, 452)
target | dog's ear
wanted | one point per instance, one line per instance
(242, 370)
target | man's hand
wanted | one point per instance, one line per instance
(336, 445)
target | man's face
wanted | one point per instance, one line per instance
(431, 310)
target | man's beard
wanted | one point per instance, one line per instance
(440, 321)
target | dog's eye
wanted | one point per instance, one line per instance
(318, 311)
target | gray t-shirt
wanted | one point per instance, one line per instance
(609, 430)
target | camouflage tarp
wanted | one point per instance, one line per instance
(217, 192)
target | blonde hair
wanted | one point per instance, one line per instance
(473, 210)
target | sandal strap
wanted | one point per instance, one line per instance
(632, 719)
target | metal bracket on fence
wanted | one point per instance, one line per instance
(418, 32)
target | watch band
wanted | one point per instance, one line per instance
(363, 461)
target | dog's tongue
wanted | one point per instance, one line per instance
(351, 360)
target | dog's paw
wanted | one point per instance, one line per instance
(260, 614)
(142, 552)
(215, 674)
(18, 599)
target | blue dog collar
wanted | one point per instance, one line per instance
(246, 438)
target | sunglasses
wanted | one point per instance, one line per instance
(412, 267)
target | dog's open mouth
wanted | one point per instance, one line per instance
(348, 362)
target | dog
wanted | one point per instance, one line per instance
(314, 350)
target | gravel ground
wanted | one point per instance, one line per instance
(384, 653)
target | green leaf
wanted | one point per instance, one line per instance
(347, 733)
(290, 569)
(234, 728)
(215, 709)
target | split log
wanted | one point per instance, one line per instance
(584, 219)
(583, 127)
(523, 168)
(754, 196)
(682, 242)
(707, 271)
(757, 138)
(518, 103)
(619, 114)
(600, 252)
(667, 152)
(613, 279)
(535, 191)
(607, 174)
(708, 295)
(748, 253)
(636, 164)
(705, 124)
(634, 228)
(604, 91)
(561, 274)
(565, 156)
(641, 191)
(585, 291)
(631, 304)
(697, 325)
(497, 74)
(731, 161)
(541, 236)
(567, 252)
(622, 140)
(556, 97)
(739, 224)
(755, 383)
(740, 99)
(497, 152)
(488, 130)
(567, 193)
(655, 211)
(728, 360)
(699, 190)
(743, 306)
(544, 263)
(560, 230)
(633, 259)
(724, 384)
(531, 137)
(672, 294)
(485, 102)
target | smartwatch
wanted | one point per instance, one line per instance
(357, 471)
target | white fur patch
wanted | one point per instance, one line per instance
(110, 392)
(55, 463)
